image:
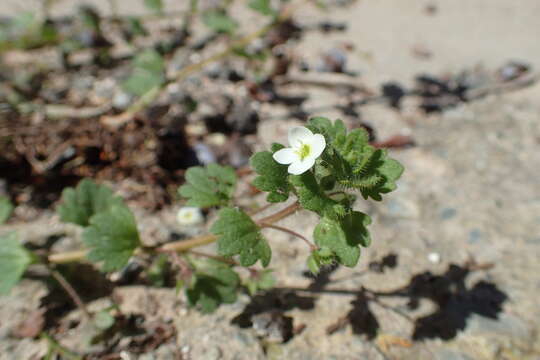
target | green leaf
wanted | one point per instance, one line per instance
(90, 18)
(322, 125)
(319, 258)
(219, 21)
(262, 6)
(134, 27)
(147, 74)
(239, 235)
(262, 280)
(86, 200)
(112, 237)
(6, 208)
(103, 320)
(213, 283)
(154, 5)
(158, 271)
(353, 163)
(313, 265)
(374, 174)
(14, 259)
(312, 197)
(213, 185)
(344, 236)
(272, 175)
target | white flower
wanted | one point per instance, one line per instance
(189, 216)
(305, 148)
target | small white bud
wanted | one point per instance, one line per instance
(187, 216)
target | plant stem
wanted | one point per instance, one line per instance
(152, 94)
(178, 246)
(261, 209)
(183, 245)
(183, 266)
(55, 347)
(67, 257)
(312, 246)
(271, 219)
(215, 257)
(71, 292)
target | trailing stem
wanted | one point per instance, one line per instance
(179, 246)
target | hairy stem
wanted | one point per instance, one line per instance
(71, 292)
(215, 257)
(177, 246)
(67, 257)
(271, 219)
(312, 246)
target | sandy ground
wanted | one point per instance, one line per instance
(460, 33)
(471, 187)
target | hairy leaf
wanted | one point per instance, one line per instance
(353, 163)
(319, 258)
(210, 186)
(86, 200)
(112, 237)
(312, 197)
(239, 235)
(263, 280)
(219, 21)
(6, 207)
(272, 175)
(213, 283)
(154, 5)
(147, 74)
(344, 236)
(14, 259)
(262, 6)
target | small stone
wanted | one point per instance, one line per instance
(204, 153)
(121, 100)
(448, 213)
(402, 208)
(434, 257)
(474, 236)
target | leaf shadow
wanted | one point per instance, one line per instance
(455, 301)
(274, 300)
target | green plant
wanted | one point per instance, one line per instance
(323, 168)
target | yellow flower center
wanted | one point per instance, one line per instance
(304, 151)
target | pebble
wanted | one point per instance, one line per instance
(121, 100)
(448, 213)
(474, 236)
(204, 153)
(434, 257)
(402, 208)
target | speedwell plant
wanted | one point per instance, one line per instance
(323, 169)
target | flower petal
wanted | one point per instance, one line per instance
(317, 144)
(298, 135)
(300, 167)
(285, 156)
